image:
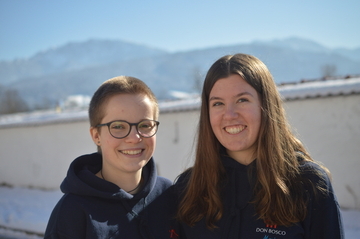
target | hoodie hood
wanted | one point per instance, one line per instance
(81, 180)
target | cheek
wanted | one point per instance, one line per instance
(257, 119)
(214, 119)
(151, 143)
(107, 141)
(213, 126)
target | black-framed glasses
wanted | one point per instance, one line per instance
(120, 128)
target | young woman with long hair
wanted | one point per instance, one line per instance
(252, 178)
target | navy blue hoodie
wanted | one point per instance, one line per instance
(94, 208)
(323, 220)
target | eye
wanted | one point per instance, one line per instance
(217, 104)
(146, 124)
(242, 100)
(118, 125)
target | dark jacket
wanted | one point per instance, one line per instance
(239, 220)
(94, 208)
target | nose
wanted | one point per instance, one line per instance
(134, 136)
(230, 112)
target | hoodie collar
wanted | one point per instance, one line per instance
(81, 180)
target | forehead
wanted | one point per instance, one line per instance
(128, 107)
(229, 86)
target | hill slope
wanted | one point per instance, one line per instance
(79, 68)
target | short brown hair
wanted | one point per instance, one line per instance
(115, 86)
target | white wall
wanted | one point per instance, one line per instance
(330, 129)
(39, 156)
(176, 142)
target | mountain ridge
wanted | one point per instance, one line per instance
(74, 56)
(79, 68)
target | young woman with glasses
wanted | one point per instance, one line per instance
(115, 193)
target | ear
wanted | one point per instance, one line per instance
(95, 135)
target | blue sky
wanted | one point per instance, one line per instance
(29, 26)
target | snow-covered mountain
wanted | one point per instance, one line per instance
(79, 68)
(73, 56)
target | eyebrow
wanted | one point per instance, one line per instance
(236, 96)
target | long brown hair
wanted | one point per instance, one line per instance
(276, 156)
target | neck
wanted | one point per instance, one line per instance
(244, 158)
(130, 183)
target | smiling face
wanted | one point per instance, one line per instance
(235, 117)
(129, 154)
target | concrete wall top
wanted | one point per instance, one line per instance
(290, 91)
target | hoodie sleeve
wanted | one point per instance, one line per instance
(324, 217)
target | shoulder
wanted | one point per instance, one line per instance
(317, 182)
(184, 177)
(65, 215)
(314, 172)
(181, 181)
(163, 182)
(156, 189)
(69, 204)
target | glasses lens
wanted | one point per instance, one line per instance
(147, 128)
(119, 129)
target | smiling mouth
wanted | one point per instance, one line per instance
(131, 152)
(234, 129)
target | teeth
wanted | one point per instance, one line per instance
(234, 129)
(131, 152)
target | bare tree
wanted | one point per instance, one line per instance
(11, 101)
(44, 104)
(198, 81)
(328, 70)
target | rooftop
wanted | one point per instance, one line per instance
(320, 88)
(304, 89)
(291, 91)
